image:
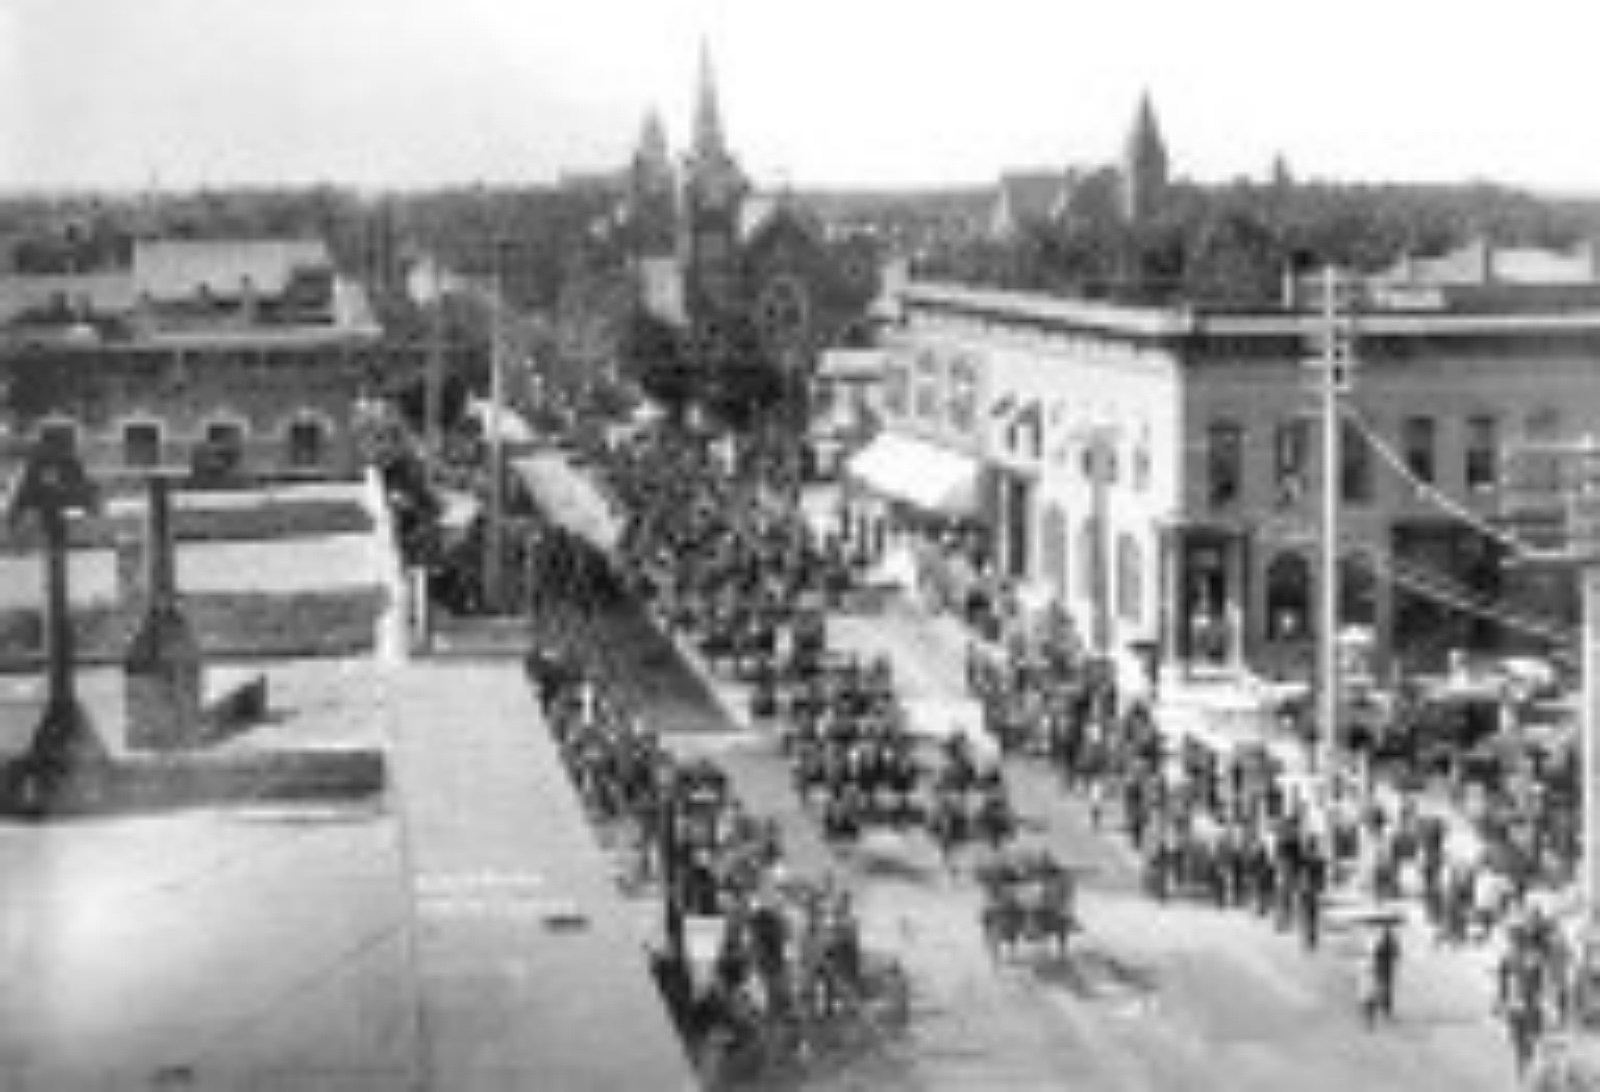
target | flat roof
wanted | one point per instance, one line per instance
(1178, 323)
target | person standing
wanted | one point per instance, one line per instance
(1382, 968)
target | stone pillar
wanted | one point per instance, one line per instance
(162, 671)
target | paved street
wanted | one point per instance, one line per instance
(1158, 997)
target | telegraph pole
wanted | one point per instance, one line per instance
(494, 554)
(1332, 366)
(435, 387)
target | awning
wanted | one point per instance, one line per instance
(848, 365)
(570, 499)
(921, 474)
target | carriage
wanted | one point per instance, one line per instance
(1028, 901)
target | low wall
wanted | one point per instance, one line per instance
(303, 624)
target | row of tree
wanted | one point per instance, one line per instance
(1233, 244)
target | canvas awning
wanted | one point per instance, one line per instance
(921, 474)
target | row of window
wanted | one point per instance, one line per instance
(221, 446)
(1418, 452)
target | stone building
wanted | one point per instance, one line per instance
(230, 358)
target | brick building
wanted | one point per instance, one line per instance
(232, 358)
(1156, 470)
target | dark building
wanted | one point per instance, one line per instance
(755, 284)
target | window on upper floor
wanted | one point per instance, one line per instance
(1224, 463)
(1419, 440)
(59, 435)
(1291, 454)
(1355, 465)
(307, 443)
(1482, 453)
(141, 444)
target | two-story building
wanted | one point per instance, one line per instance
(1156, 470)
(229, 357)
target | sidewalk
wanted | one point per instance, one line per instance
(529, 960)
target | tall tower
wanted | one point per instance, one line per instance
(1144, 166)
(652, 185)
(714, 188)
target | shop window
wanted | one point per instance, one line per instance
(1130, 579)
(1355, 465)
(307, 444)
(1224, 460)
(1291, 458)
(141, 445)
(1482, 452)
(1419, 438)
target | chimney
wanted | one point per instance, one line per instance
(162, 669)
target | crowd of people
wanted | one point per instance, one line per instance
(709, 549)
(1237, 829)
(717, 544)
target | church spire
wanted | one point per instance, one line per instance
(708, 140)
(651, 158)
(1144, 164)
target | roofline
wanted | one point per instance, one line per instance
(1177, 323)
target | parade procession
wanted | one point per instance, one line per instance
(630, 547)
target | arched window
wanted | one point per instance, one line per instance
(1288, 597)
(1130, 578)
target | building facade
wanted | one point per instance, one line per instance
(223, 358)
(1156, 471)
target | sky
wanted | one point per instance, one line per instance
(399, 93)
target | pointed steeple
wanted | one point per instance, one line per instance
(708, 138)
(652, 162)
(1144, 164)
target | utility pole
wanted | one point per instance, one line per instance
(494, 553)
(435, 387)
(1334, 361)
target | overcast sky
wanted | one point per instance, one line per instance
(403, 92)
